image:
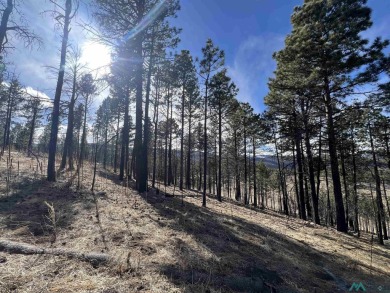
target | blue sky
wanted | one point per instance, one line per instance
(249, 31)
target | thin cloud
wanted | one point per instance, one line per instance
(253, 65)
(45, 99)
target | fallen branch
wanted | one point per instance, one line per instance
(28, 249)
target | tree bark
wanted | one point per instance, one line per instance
(329, 211)
(116, 143)
(344, 174)
(51, 162)
(300, 173)
(170, 170)
(182, 141)
(281, 178)
(156, 106)
(68, 145)
(314, 194)
(354, 176)
(296, 182)
(188, 173)
(219, 186)
(4, 23)
(28, 249)
(83, 142)
(138, 43)
(237, 171)
(245, 171)
(254, 172)
(334, 163)
(32, 130)
(7, 125)
(379, 202)
(205, 144)
(125, 140)
(166, 144)
(143, 180)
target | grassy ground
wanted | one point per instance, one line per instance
(170, 244)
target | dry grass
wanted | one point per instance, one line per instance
(161, 245)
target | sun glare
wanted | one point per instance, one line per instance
(96, 56)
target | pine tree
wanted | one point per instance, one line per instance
(213, 59)
(326, 50)
(67, 16)
(186, 77)
(222, 91)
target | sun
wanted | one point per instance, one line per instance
(96, 56)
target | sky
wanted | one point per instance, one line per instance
(249, 31)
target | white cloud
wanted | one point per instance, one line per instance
(32, 64)
(253, 65)
(46, 101)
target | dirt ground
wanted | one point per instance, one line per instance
(170, 243)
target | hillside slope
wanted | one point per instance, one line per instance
(170, 243)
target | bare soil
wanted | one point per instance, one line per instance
(167, 242)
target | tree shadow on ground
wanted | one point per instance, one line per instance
(239, 256)
(114, 178)
(24, 211)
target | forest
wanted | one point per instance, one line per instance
(155, 176)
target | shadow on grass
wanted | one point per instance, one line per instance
(25, 209)
(245, 257)
(114, 178)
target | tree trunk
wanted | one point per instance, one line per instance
(330, 216)
(182, 141)
(300, 173)
(170, 170)
(296, 184)
(143, 180)
(116, 143)
(125, 140)
(319, 160)
(385, 194)
(387, 148)
(334, 163)
(254, 172)
(245, 171)
(51, 162)
(105, 152)
(200, 171)
(314, 194)
(138, 42)
(4, 23)
(237, 171)
(188, 173)
(381, 214)
(28, 249)
(7, 125)
(156, 106)
(68, 145)
(32, 129)
(95, 160)
(205, 144)
(305, 172)
(281, 179)
(219, 186)
(215, 165)
(166, 144)
(83, 143)
(344, 174)
(354, 173)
